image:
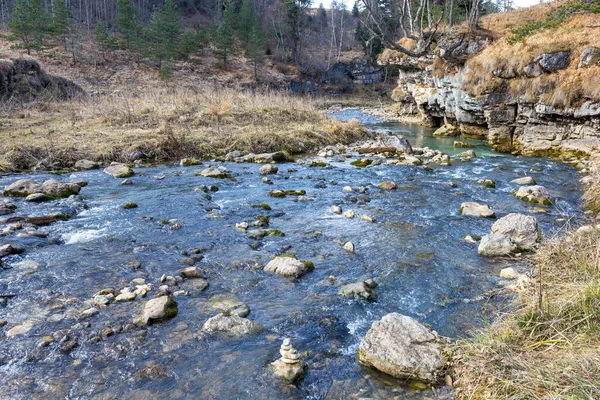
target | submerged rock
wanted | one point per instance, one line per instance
(473, 209)
(388, 185)
(289, 367)
(526, 180)
(117, 170)
(288, 267)
(534, 194)
(447, 130)
(229, 304)
(403, 348)
(231, 325)
(158, 309)
(362, 290)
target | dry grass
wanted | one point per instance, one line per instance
(560, 89)
(549, 346)
(166, 123)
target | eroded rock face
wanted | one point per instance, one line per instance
(288, 267)
(402, 347)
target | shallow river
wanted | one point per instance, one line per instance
(414, 250)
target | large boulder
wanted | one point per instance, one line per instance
(231, 325)
(534, 194)
(551, 62)
(87, 164)
(473, 209)
(521, 229)
(496, 245)
(117, 170)
(402, 347)
(158, 309)
(52, 188)
(288, 267)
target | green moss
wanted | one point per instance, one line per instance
(275, 232)
(277, 193)
(309, 264)
(289, 255)
(318, 164)
(361, 163)
(295, 192)
(262, 205)
(263, 218)
(130, 205)
(163, 221)
(214, 188)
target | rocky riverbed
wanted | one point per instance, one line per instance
(184, 280)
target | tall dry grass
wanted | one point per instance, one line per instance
(548, 347)
(166, 123)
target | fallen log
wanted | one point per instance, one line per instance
(366, 150)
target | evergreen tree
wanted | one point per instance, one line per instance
(62, 22)
(223, 35)
(322, 15)
(128, 23)
(164, 33)
(202, 38)
(29, 24)
(188, 44)
(255, 44)
(106, 41)
(355, 10)
(245, 20)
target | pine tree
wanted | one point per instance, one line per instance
(188, 44)
(202, 38)
(245, 20)
(164, 33)
(355, 10)
(322, 15)
(29, 24)
(106, 41)
(62, 23)
(223, 35)
(255, 45)
(128, 23)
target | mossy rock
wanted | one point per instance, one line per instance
(318, 164)
(130, 205)
(277, 193)
(262, 205)
(361, 163)
(289, 255)
(295, 192)
(309, 264)
(275, 232)
(263, 218)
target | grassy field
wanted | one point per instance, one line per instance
(548, 347)
(165, 122)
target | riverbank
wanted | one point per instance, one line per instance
(164, 124)
(547, 347)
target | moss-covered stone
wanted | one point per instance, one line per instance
(361, 163)
(130, 205)
(262, 205)
(318, 164)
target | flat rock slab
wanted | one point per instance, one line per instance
(403, 348)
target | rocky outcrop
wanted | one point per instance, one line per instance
(24, 79)
(402, 347)
(51, 188)
(509, 121)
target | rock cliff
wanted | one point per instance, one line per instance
(439, 89)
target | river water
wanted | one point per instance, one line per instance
(414, 250)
